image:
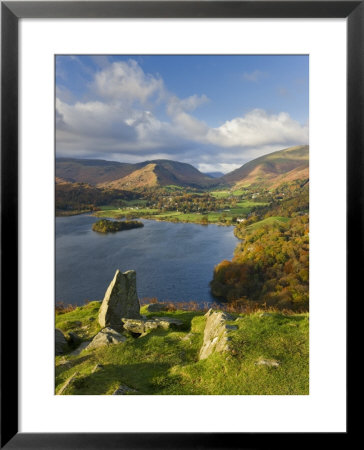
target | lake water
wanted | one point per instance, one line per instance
(173, 261)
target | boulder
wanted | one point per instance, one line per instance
(74, 339)
(123, 390)
(265, 314)
(141, 326)
(80, 348)
(138, 326)
(107, 336)
(267, 362)
(156, 307)
(168, 322)
(120, 300)
(64, 363)
(216, 334)
(61, 342)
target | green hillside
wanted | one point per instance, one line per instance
(272, 169)
(165, 362)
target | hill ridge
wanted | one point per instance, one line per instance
(268, 170)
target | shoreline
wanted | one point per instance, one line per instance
(147, 217)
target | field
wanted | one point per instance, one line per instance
(166, 362)
(269, 221)
(214, 217)
(226, 194)
(118, 213)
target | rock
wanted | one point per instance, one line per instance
(123, 390)
(80, 348)
(140, 326)
(216, 332)
(67, 383)
(74, 339)
(64, 362)
(107, 336)
(61, 342)
(97, 368)
(267, 362)
(135, 326)
(120, 300)
(187, 337)
(168, 322)
(156, 307)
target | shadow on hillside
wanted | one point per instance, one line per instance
(70, 364)
(185, 316)
(146, 378)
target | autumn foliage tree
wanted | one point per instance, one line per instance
(269, 267)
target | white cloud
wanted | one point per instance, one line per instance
(121, 120)
(176, 105)
(258, 128)
(254, 76)
(126, 81)
(219, 167)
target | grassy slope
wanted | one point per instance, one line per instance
(166, 362)
(272, 169)
(268, 221)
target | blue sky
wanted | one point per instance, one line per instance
(215, 112)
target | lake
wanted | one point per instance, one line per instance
(173, 261)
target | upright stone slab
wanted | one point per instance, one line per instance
(215, 338)
(61, 342)
(120, 301)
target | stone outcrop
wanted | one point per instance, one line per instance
(141, 326)
(121, 300)
(61, 342)
(80, 348)
(267, 362)
(107, 336)
(168, 322)
(124, 390)
(68, 383)
(97, 368)
(74, 339)
(156, 307)
(216, 334)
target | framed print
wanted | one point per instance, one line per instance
(160, 163)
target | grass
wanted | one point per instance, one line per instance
(117, 213)
(165, 362)
(268, 221)
(246, 206)
(226, 194)
(74, 212)
(82, 319)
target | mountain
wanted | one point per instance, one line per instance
(131, 176)
(272, 169)
(268, 170)
(214, 174)
(147, 176)
(90, 171)
(162, 173)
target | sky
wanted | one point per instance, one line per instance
(214, 112)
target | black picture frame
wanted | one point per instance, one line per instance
(11, 12)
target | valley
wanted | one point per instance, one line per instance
(173, 191)
(266, 201)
